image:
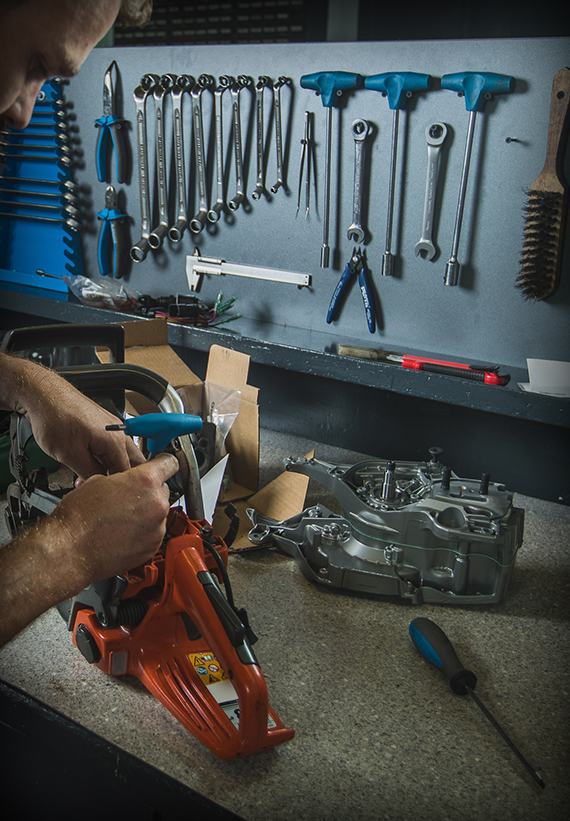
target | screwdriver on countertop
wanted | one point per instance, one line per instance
(477, 373)
(434, 645)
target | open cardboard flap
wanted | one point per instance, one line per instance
(146, 344)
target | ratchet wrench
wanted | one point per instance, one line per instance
(184, 82)
(242, 82)
(164, 85)
(435, 136)
(141, 248)
(225, 81)
(262, 83)
(360, 130)
(204, 81)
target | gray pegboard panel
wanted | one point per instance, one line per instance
(483, 318)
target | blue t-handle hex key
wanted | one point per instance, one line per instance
(159, 428)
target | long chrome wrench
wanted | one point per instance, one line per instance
(435, 136)
(140, 250)
(163, 87)
(224, 82)
(282, 81)
(184, 82)
(204, 81)
(360, 130)
(262, 83)
(242, 82)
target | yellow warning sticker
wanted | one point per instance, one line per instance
(208, 667)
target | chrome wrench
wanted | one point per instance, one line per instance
(242, 82)
(225, 81)
(435, 136)
(360, 130)
(163, 87)
(262, 83)
(184, 82)
(204, 81)
(282, 81)
(141, 248)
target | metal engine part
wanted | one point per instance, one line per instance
(413, 530)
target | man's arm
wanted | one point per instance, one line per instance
(109, 525)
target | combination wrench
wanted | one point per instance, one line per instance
(204, 81)
(260, 87)
(282, 81)
(435, 136)
(141, 248)
(184, 82)
(163, 87)
(242, 82)
(360, 130)
(225, 81)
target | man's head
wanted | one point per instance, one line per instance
(40, 39)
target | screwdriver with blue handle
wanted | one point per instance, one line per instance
(397, 87)
(434, 645)
(330, 86)
(477, 88)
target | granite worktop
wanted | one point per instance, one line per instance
(379, 734)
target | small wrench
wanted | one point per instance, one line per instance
(163, 87)
(184, 82)
(360, 130)
(140, 250)
(204, 81)
(435, 136)
(242, 82)
(225, 81)
(262, 82)
(282, 81)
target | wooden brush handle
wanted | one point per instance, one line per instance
(551, 178)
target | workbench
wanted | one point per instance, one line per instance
(379, 734)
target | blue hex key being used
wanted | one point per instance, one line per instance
(436, 648)
(330, 86)
(477, 88)
(398, 87)
(159, 428)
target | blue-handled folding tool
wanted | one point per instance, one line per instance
(354, 267)
(111, 130)
(112, 239)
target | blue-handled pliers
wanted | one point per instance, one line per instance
(110, 125)
(354, 267)
(112, 238)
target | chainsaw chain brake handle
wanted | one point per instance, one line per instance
(177, 633)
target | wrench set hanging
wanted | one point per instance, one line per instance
(171, 91)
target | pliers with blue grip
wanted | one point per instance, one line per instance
(112, 240)
(110, 126)
(354, 267)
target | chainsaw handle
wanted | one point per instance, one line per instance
(110, 377)
(68, 335)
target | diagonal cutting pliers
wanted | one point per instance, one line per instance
(356, 266)
(112, 239)
(111, 126)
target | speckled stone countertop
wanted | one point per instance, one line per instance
(379, 734)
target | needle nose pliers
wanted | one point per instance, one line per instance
(111, 237)
(356, 266)
(111, 126)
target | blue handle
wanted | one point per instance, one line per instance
(338, 291)
(477, 85)
(398, 85)
(108, 237)
(103, 246)
(160, 428)
(328, 83)
(107, 126)
(434, 646)
(368, 299)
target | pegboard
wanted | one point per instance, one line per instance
(483, 318)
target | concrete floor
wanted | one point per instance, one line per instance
(379, 734)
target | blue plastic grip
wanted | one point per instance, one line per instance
(397, 85)
(476, 85)
(160, 428)
(327, 83)
(368, 300)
